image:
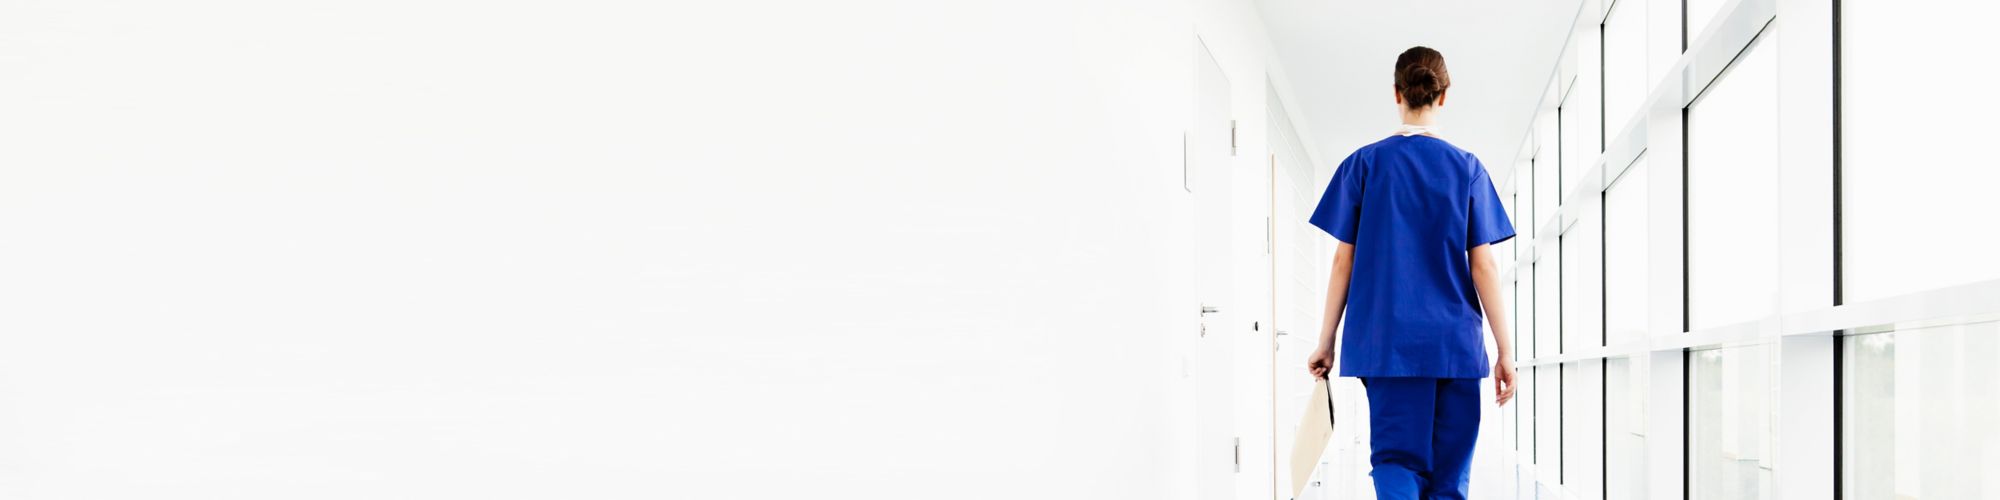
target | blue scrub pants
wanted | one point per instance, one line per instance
(1422, 431)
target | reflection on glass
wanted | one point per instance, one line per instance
(1625, 427)
(1730, 418)
(1583, 429)
(1524, 402)
(1526, 405)
(1548, 421)
(1919, 411)
(1508, 430)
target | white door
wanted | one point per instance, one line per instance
(1299, 251)
(1209, 151)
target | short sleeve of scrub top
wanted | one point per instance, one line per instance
(1339, 212)
(1486, 218)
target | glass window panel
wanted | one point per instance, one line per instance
(1524, 275)
(1663, 38)
(1555, 157)
(1507, 427)
(1524, 319)
(1733, 194)
(1583, 429)
(1570, 151)
(1625, 427)
(1625, 84)
(1912, 173)
(1526, 406)
(1582, 124)
(1583, 299)
(1625, 255)
(1524, 191)
(1548, 302)
(1730, 419)
(1523, 488)
(1699, 14)
(1548, 173)
(1548, 421)
(1543, 490)
(1505, 252)
(1919, 412)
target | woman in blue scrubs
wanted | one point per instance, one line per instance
(1416, 218)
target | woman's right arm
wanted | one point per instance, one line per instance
(1321, 360)
(1486, 279)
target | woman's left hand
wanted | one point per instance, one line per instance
(1503, 381)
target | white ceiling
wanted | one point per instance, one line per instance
(1340, 56)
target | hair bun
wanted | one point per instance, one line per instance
(1421, 77)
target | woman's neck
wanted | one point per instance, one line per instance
(1422, 117)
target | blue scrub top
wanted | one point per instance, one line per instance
(1412, 206)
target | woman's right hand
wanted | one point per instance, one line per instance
(1320, 362)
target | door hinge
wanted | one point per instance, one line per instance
(1232, 138)
(1239, 454)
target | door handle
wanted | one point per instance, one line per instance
(1208, 309)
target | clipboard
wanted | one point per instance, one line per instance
(1315, 431)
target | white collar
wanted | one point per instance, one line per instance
(1409, 130)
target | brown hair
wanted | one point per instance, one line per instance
(1420, 76)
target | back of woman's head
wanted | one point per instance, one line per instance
(1420, 76)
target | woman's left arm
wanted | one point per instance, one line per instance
(1486, 278)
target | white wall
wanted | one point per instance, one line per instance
(596, 249)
